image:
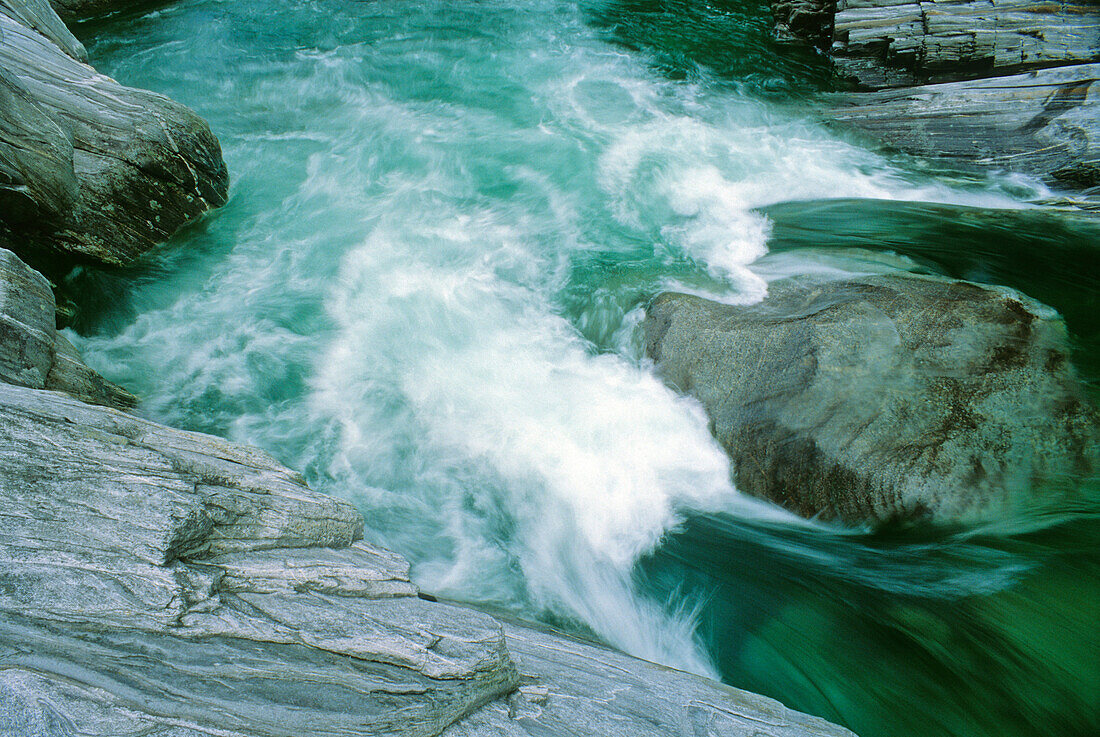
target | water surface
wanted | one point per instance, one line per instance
(424, 291)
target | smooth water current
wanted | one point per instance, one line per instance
(444, 221)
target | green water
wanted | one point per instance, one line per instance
(424, 293)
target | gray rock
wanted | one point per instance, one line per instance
(39, 16)
(89, 168)
(963, 61)
(806, 20)
(191, 579)
(571, 687)
(32, 352)
(158, 582)
(1045, 123)
(889, 43)
(886, 397)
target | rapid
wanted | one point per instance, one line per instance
(444, 222)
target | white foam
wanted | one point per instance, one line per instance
(447, 395)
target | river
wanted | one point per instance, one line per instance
(444, 222)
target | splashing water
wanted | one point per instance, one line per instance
(443, 221)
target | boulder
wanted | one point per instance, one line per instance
(1045, 123)
(89, 169)
(160, 582)
(32, 352)
(884, 398)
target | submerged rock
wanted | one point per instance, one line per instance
(885, 397)
(91, 169)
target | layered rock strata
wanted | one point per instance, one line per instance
(886, 43)
(886, 397)
(89, 169)
(1008, 84)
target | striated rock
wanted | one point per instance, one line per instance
(890, 43)
(39, 16)
(886, 397)
(141, 561)
(964, 62)
(32, 352)
(1045, 123)
(89, 168)
(570, 687)
(159, 582)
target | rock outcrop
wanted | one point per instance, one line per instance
(1045, 123)
(89, 169)
(886, 397)
(32, 352)
(886, 43)
(1009, 84)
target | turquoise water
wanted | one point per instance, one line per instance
(424, 292)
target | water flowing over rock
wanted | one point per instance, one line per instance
(91, 169)
(155, 581)
(885, 397)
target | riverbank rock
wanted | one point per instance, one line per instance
(884, 398)
(886, 43)
(32, 352)
(91, 170)
(1045, 123)
(154, 581)
(1008, 84)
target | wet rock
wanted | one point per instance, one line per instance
(32, 352)
(1045, 123)
(808, 20)
(886, 397)
(1008, 84)
(90, 169)
(890, 43)
(569, 687)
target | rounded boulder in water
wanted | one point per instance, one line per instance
(885, 398)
